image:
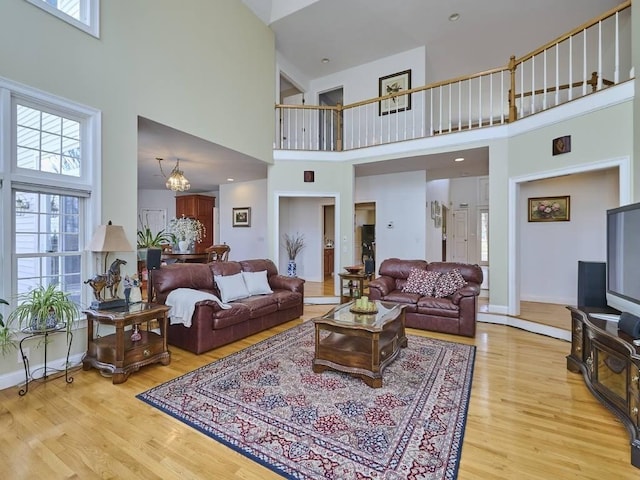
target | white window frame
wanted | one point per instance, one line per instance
(88, 185)
(92, 26)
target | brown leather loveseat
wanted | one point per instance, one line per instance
(454, 313)
(213, 326)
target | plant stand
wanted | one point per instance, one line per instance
(28, 374)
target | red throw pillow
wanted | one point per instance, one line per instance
(449, 283)
(421, 282)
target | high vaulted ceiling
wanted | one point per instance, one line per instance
(354, 32)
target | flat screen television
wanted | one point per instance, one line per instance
(623, 258)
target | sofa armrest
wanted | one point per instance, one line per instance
(281, 282)
(381, 287)
(469, 290)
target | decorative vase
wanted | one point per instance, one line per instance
(183, 245)
(291, 268)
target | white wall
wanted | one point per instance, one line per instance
(549, 251)
(400, 213)
(245, 242)
(157, 199)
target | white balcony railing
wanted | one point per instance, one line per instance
(588, 59)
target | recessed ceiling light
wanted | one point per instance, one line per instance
(454, 17)
(230, 179)
(325, 60)
(459, 159)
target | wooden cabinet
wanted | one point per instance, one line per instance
(328, 261)
(199, 207)
(610, 365)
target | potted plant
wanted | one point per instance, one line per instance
(6, 335)
(293, 244)
(187, 231)
(147, 239)
(44, 308)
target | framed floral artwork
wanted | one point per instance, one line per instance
(549, 209)
(241, 217)
(390, 84)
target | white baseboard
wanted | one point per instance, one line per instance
(16, 377)
(322, 300)
(533, 327)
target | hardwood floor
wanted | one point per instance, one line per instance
(529, 418)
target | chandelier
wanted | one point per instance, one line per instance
(176, 180)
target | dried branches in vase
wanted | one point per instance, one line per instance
(293, 244)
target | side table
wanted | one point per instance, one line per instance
(128, 349)
(28, 374)
(351, 286)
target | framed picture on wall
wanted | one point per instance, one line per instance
(549, 209)
(390, 84)
(241, 217)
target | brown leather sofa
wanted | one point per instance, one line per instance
(213, 326)
(453, 314)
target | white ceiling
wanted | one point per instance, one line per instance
(355, 32)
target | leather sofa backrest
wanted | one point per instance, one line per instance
(399, 269)
(225, 268)
(258, 265)
(471, 273)
(181, 275)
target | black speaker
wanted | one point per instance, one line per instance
(592, 284)
(630, 324)
(154, 257)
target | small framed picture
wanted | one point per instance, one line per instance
(549, 209)
(390, 84)
(242, 217)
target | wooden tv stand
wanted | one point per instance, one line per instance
(610, 365)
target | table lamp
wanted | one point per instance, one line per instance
(108, 238)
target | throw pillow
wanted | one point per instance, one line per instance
(449, 283)
(257, 282)
(232, 287)
(421, 282)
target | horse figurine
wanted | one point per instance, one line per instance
(111, 280)
(113, 277)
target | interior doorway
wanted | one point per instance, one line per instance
(330, 121)
(365, 235)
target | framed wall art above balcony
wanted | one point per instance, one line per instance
(390, 84)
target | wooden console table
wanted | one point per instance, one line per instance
(121, 353)
(610, 364)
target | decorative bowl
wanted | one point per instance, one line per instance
(354, 269)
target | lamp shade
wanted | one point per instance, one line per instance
(109, 238)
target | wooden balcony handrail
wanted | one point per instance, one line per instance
(573, 32)
(511, 95)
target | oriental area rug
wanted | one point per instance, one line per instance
(266, 403)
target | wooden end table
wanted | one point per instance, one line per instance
(360, 344)
(121, 353)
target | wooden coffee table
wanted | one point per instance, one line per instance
(359, 344)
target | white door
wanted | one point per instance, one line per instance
(460, 251)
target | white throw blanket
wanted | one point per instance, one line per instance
(183, 302)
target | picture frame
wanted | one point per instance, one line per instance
(549, 209)
(241, 217)
(394, 83)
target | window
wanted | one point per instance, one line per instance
(47, 241)
(83, 14)
(47, 142)
(48, 176)
(484, 236)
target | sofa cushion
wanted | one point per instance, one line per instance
(287, 299)
(440, 307)
(232, 287)
(421, 281)
(448, 283)
(399, 296)
(260, 305)
(257, 282)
